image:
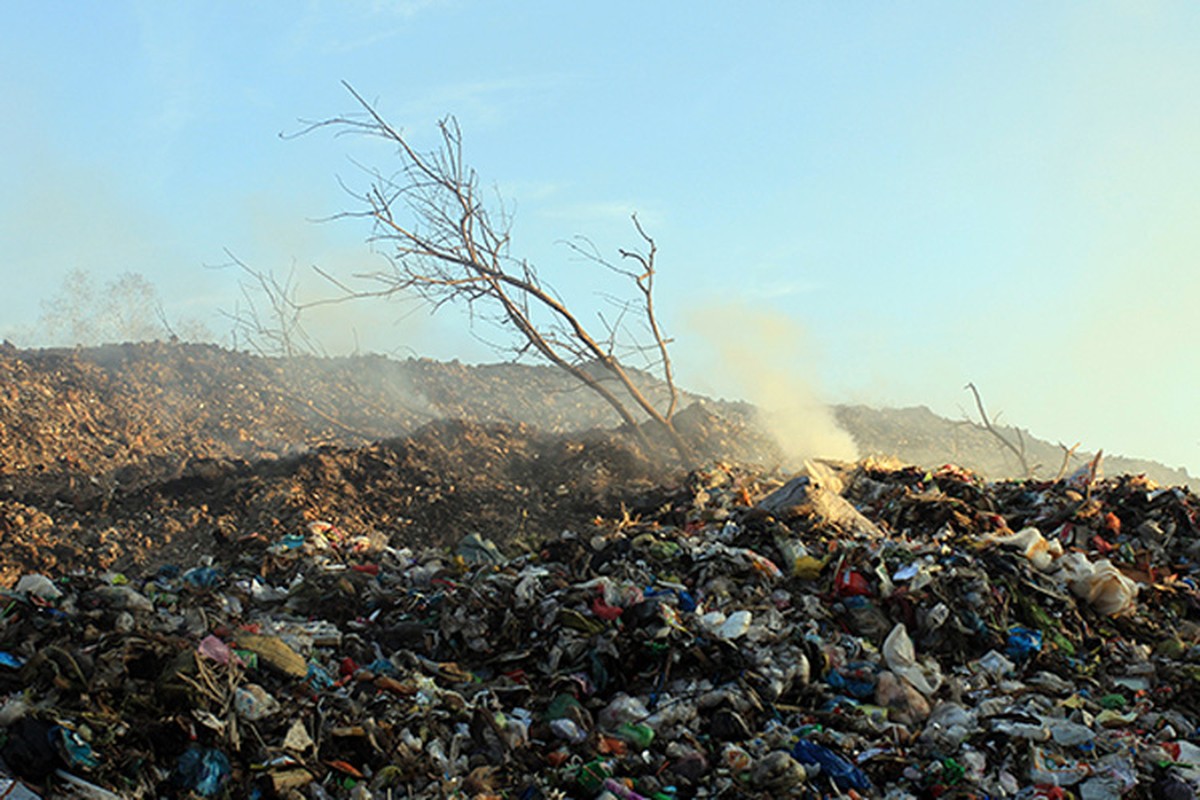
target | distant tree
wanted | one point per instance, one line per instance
(446, 246)
(125, 308)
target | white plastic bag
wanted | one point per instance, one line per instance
(1100, 584)
(1040, 552)
(901, 659)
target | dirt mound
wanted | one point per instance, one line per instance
(510, 483)
(100, 410)
(134, 455)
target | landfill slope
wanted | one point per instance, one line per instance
(236, 577)
(124, 413)
(918, 436)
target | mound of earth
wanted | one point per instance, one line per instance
(143, 453)
(508, 482)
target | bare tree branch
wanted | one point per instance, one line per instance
(1066, 460)
(276, 330)
(1004, 440)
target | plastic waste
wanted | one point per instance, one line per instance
(203, 577)
(1023, 643)
(1070, 734)
(621, 790)
(857, 679)
(123, 597)
(834, 766)
(637, 735)
(592, 775)
(661, 658)
(1033, 545)
(474, 549)
(851, 583)
(1101, 584)
(203, 770)
(996, 664)
(622, 709)
(213, 648)
(735, 625)
(253, 703)
(77, 787)
(74, 749)
(948, 726)
(1055, 771)
(568, 730)
(901, 659)
(38, 586)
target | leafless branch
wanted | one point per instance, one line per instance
(1019, 452)
(273, 330)
(1066, 460)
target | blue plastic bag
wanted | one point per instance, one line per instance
(839, 769)
(1023, 643)
(202, 770)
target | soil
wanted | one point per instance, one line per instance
(128, 458)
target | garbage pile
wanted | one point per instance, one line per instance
(856, 631)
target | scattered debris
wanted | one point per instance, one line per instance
(961, 639)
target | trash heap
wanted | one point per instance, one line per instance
(856, 631)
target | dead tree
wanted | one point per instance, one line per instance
(447, 247)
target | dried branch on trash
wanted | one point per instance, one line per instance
(1068, 452)
(1018, 451)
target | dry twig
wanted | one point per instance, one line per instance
(1019, 452)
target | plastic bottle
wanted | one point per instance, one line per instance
(844, 774)
(636, 734)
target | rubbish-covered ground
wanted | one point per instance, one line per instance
(484, 610)
(867, 631)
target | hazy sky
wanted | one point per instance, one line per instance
(925, 194)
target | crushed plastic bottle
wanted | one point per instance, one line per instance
(839, 769)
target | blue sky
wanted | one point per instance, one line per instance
(920, 194)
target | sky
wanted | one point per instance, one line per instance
(914, 196)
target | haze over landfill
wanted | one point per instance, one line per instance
(904, 199)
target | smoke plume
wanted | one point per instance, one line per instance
(763, 357)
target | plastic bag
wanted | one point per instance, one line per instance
(1100, 583)
(901, 659)
(844, 774)
(1040, 552)
(202, 770)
